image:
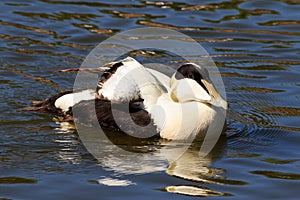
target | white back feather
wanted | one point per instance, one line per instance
(120, 87)
(69, 100)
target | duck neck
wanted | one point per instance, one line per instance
(150, 94)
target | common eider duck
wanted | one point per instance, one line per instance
(178, 108)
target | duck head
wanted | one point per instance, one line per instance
(191, 82)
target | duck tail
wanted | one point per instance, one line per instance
(46, 105)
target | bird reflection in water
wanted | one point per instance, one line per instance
(68, 141)
(193, 167)
(127, 155)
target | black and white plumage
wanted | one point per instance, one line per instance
(177, 108)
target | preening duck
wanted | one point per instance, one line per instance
(129, 95)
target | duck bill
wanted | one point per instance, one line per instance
(215, 94)
(211, 88)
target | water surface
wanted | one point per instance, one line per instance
(255, 45)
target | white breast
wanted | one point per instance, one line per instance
(181, 121)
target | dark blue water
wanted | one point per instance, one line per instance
(256, 46)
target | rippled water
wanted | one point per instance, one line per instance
(255, 44)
